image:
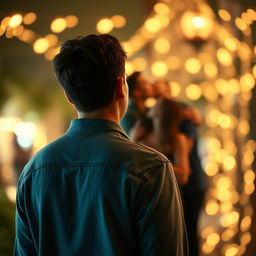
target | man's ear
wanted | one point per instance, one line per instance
(119, 87)
(68, 98)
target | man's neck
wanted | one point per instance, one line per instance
(99, 114)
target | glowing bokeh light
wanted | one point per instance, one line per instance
(161, 8)
(175, 89)
(224, 15)
(193, 91)
(193, 65)
(29, 18)
(162, 45)
(15, 20)
(118, 21)
(71, 21)
(58, 25)
(104, 26)
(139, 64)
(41, 45)
(224, 57)
(152, 25)
(129, 68)
(159, 68)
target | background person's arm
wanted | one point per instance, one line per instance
(159, 214)
(181, 166)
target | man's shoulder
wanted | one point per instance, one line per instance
(46, 154)
(142, 158)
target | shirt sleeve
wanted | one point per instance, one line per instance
(24, 245)
(159, 214)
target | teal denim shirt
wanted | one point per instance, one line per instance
(94, 192)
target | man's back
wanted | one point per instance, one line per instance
(94, 192)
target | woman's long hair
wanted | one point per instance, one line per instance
(170, 117)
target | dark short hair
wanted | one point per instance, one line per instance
(132, 82)
(87, 69)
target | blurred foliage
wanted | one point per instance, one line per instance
(28, 94)
(7, 224)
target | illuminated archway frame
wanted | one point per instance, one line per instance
(230, 152)
(229, 166)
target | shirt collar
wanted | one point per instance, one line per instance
(93, 125)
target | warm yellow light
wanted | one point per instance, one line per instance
(52, 39)
(245, 223)
(118, 21)
(150, 102)
(173, 62)
(224, 121)
(241, 24)
(127, 47)
(231, 44)
(162, 45)
(193, 65)
(161, 8)
(129, 69)
(29, 18)
(196, 25)
(58, 25)
(247, 82)
(229, 219)
(51, 53)
(249, 176)
(224, 15)
(224, 57)
(15, 20)
(198, 22)
(227, 234)
(175, 89)
(231, 251)
(244, 127)
(234, 86)
(41, 45)
(17, 31)
(71, 21)
(152, 25)
(249, 188)
(5, 22)
(9, 33)
(244, 51)
(27, 36)
(207, 231)
(246, 238)
(210, 93)
(139, 64)
(212, 207)
(226, 207)
(248, 157)
(11, 193)
(212, 117)
(254, 71)
(229, 163)
(2, 31)
(246, 18)
(193, 92)
(163, 20)
(252, 14)
(159, 69)
(213, 239)
(210, 69)
(207, 249)
(211, 169)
